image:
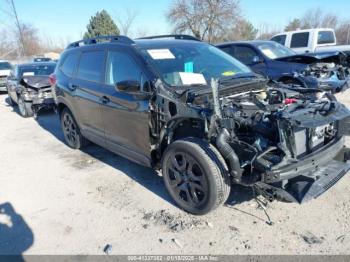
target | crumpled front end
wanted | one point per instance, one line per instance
(330, 76)
(38, 91)
(288, 145)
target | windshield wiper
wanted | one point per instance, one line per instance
(236, 77)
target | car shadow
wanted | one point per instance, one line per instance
(146, 177)
(15, 234)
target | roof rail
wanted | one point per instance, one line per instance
(178, 37)
(106, 38)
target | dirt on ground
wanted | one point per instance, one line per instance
(54, 200)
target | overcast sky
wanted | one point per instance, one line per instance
(67, 19)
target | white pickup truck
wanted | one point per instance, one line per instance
(311, 41)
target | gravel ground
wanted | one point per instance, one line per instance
(54, 200)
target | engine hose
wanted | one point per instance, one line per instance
(229, 154)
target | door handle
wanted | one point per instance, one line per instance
(105, 100)
(72, 87)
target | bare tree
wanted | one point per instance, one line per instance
(343, 32)
(266, 31)
(126, 22)
(206, 19)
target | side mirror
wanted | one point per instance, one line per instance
(128, 86)
(257, 60)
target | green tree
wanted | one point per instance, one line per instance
(101, 24)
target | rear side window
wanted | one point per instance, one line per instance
(281, 39)
(300, 40)
(121, 67)
(325, 37)
(91, 66)
(69, 64)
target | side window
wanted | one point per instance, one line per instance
(228, 49)
(325, 37)
(69, 64)
(281, 39)
(91, 66)
(121, 67)
(245, 54)
(300, 40)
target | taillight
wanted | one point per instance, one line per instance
(52, 79)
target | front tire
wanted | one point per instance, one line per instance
(25, 108)
(195, 176)
(71, 131)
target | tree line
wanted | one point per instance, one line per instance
(209, 20)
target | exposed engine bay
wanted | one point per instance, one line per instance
(274, 138)
(331, 70)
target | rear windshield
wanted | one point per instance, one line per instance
(38, 70)
(192, 63)
(5, 66)
(326, 37)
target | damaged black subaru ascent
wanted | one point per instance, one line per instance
(201, 117)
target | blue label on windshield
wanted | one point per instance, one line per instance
(189, 67)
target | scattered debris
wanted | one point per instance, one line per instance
(177, 242)
(210, 225)
(235, 229)
(340, 239)
(312, 239)
(173, 223)
(108, 249)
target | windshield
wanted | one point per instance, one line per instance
(5, 66)
(181, 64)
(274, 50)
(39, 70)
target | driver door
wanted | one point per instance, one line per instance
(125, 116)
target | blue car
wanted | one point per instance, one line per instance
(326, 71)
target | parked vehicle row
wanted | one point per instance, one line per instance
(196, 113)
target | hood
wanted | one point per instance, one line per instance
(35, 82)
(311, 58)
(5, 72)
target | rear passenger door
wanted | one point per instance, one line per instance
(300, 42)
(88, 85)
(126, 116)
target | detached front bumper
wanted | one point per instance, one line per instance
(310, 177)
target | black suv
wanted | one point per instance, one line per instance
(206, 120)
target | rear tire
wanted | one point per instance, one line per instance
(72, 135)
(195, 176)
(25, 108)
